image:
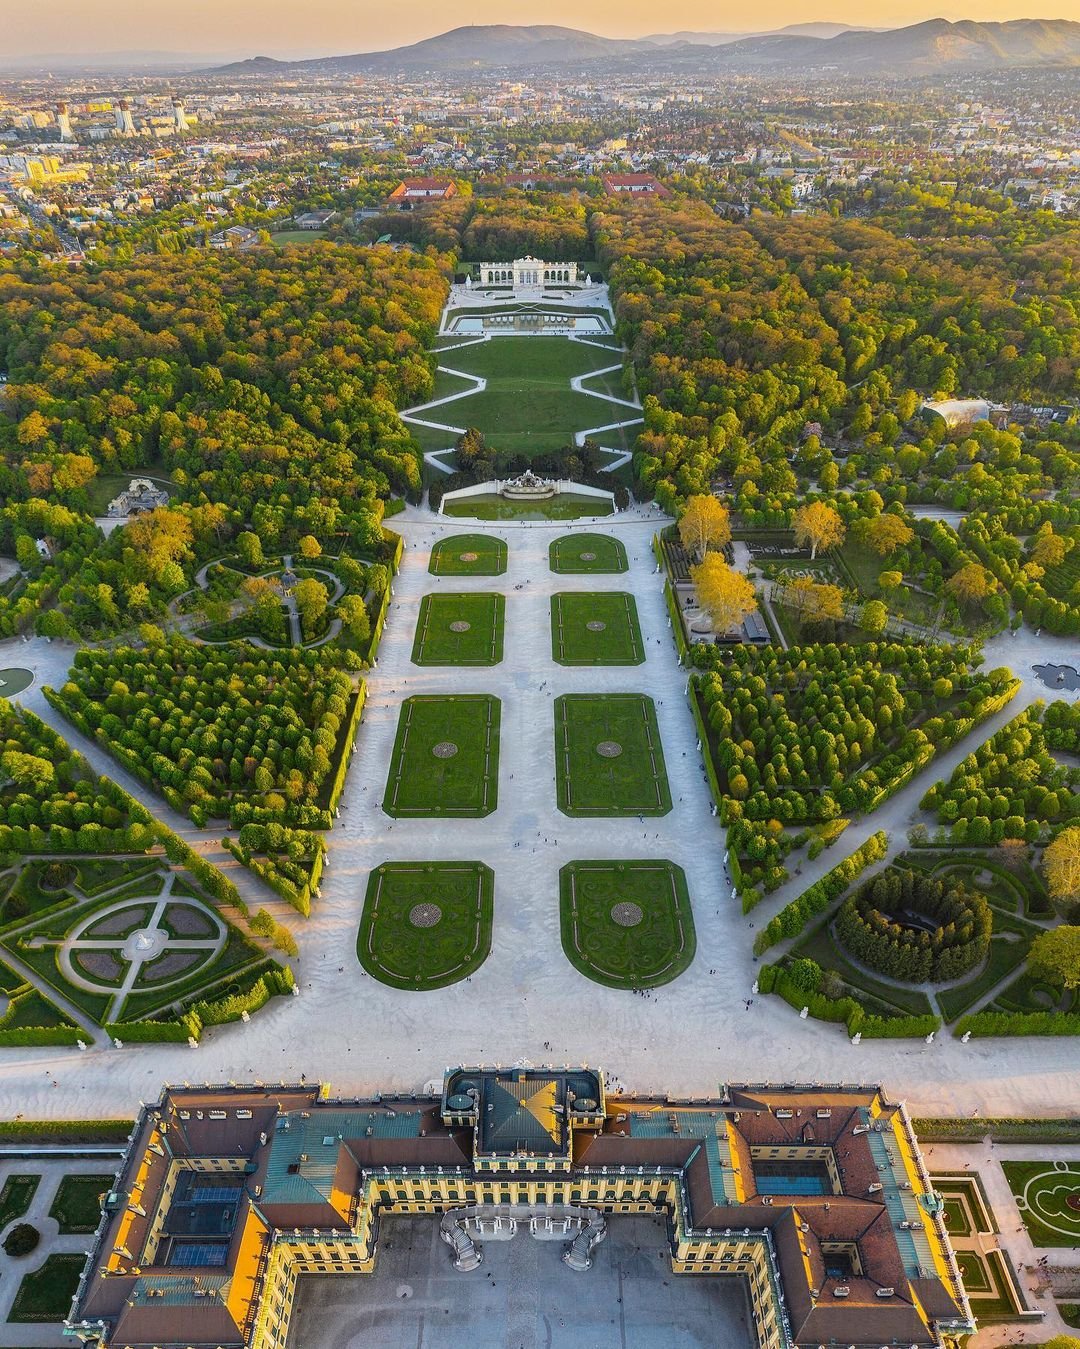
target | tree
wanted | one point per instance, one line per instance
(971, 584)
(1061, 862)
(724, 593)
(873, 616)
(309, 547)
(885, 533)
(890, 580)
(818, 525)
(814, 602)
(354, 617)
(29, 771)
(1048, 548)
(1055, 956)
(311, 601)
(250, 549)
(704, 523)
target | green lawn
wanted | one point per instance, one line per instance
(426, 924)
(528, 406)
(77, 1205)
(468, 555)
(595, 628)
(446, 758)
(46, 1294)
(565, 506)
(626, 924)
(581, 554)
(1043, 1191)
(608, 755)
(15, 1197)
(820, 946)
(459, 629)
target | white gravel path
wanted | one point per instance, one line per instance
(360, 1035)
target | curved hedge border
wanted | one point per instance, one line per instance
(775, 979)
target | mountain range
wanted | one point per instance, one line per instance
(934, 47)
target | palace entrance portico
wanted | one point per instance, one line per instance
(528, 273)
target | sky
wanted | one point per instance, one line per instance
(301, 28)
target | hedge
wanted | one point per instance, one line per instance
(1001, 1130)
(349, 734)
(275, 979)
(16, 1037)
(676, 622)
(982, 1024)
(148, 1032)
(703, 736)
(775, 979)
(791, 920)
(65, 1130)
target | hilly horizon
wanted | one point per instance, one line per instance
(930, 47)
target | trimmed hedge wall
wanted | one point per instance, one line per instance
(791, 920)
(982, 1024)
(847, 1010)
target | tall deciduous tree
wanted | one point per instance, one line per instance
(818, 525)
(815, 602)
(971, 584)
(704, 523)
(724, 593)
(884, 533)
(1061, 862)
(1055, 955)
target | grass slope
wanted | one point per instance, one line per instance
(400, 945)
(465, 783)
(631, 782)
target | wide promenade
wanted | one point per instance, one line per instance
(527, 1000)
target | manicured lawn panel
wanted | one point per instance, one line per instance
(468, 555)
(15, 1197)
(1042, 1191)
(478, 642)
(45, 1295)
(565, 506)
(426, 924)
(1003, 957)
(77, 1205)
(585, 554)
(446, 758)
(614, 637)
(626, 924)
(608, 757)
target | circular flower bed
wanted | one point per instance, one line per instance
(915, 927)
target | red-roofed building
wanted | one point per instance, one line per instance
(634, 184)
(413, 192)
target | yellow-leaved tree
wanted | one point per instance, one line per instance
(704, 523)
(814, 602)
(1061, 862)
(724, 593)
(819, 526)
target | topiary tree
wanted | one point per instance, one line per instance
(21, 1240)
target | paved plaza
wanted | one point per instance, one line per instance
(527, 1001)
(521, 1297)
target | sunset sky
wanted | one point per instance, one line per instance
(325, 27)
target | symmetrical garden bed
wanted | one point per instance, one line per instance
(459, 629)
(626, 924)
(426, 924)
(595, 628)
(446, 757)
(608, 756)
(583, 554)
(468, 555)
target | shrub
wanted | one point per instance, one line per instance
(21, 1240)
(791, 920)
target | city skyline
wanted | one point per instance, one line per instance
(205, 31)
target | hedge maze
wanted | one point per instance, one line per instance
(626, 924)
(459, 629)
(426, 924)
(608, 756)
(595, 628)
(468, 555)
(446, 758)
(584, 554)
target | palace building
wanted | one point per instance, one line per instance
(528, 273)
(815, 1196)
